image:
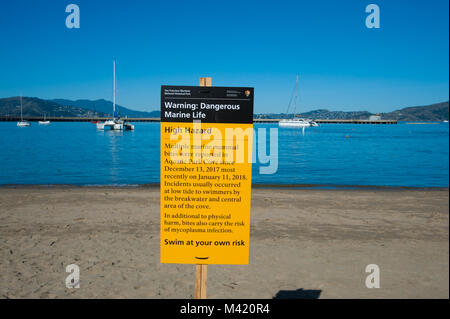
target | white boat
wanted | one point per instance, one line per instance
(115, 123)
(22, 123)
(296, 121)
(44, 122)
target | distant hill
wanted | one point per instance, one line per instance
(320, 114)
(433, 112)
(33, 106)
(105, 107)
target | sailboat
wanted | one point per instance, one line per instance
(296, 121)
(22, 123)
(115, 123)
(44, 122)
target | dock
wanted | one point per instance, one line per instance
(326, 121)
(157, 119)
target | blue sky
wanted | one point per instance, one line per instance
(342, 64)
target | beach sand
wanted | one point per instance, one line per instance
(303, 243)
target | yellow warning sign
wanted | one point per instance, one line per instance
(206, 168)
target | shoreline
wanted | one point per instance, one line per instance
(256, 186)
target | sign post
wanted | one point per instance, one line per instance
(201, 271)
(206, 161)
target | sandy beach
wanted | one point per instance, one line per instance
(304, 243)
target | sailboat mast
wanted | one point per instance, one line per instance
(21, 114)
(114, 88)
(296, 94)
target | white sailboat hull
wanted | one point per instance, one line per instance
(23, 123)
(115, 125)
(294, 123)
(44, 122)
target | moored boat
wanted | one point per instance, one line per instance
(296, 121)
(44, 122)
(22, 122)
(115, 123)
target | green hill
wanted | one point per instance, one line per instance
(320, 114)
(433, 112)
(33, 106)
(105, 107)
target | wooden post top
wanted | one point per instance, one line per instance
(206, 81)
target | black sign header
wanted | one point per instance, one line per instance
(213, 104)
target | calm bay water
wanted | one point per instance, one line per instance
(76, 153)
